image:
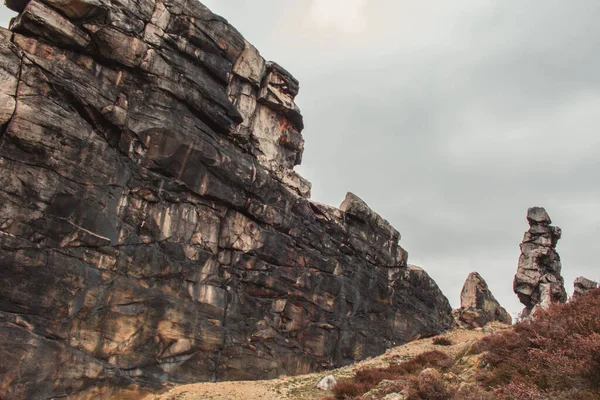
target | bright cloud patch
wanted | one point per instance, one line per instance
(344, 15)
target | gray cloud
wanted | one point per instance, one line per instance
(450, 120)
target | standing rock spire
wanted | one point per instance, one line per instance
(538, 281)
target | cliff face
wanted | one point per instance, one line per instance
(152, 228)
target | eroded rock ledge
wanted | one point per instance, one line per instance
(152, 228)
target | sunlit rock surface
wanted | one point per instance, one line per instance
(152, 228)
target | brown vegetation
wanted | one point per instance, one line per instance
(366, 379)
(442, 341)
(555, 355)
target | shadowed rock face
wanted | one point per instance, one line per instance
(152, 229)
(582, 286)
(538, 281)
(478, 306)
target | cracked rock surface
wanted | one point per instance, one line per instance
(152, 228)
(538, 281)
(583, 285)
(478, 306)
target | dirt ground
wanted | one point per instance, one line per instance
(302, 387)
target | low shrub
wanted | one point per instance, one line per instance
(556, 351)
(430, 388)
(430, 359)
(473, 392)
(366, 379)
(555, 355)
(442, 341)
(350, 389)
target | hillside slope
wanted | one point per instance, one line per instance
(554, 355)
(302, 387)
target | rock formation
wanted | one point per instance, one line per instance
(582, 286)
(152, 228)
(326, 383)
(478, 306)
(538, 281)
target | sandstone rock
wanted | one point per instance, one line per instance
(152, 228)
(327, 383)
(395, 396)
(10, 69)
(478, 306)
(538, 281)
(40, 20)
(583, 285)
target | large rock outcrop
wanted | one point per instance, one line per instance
(152, 228)
(582, 286)
(538, 281)
(478, 306)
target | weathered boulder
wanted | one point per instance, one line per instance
(538, 281)
(582, 286)
(152, 228)
(327, 383)
(478, 306)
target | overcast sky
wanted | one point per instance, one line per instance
(449, 118)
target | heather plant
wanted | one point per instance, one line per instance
(557, 351)
(554, 355)
(366, 379)
(430, 388)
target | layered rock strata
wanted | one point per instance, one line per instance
(478, 306)
(583, 285)
(152, 228)
(538, 282)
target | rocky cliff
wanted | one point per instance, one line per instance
(152, 228)
(538, 281)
